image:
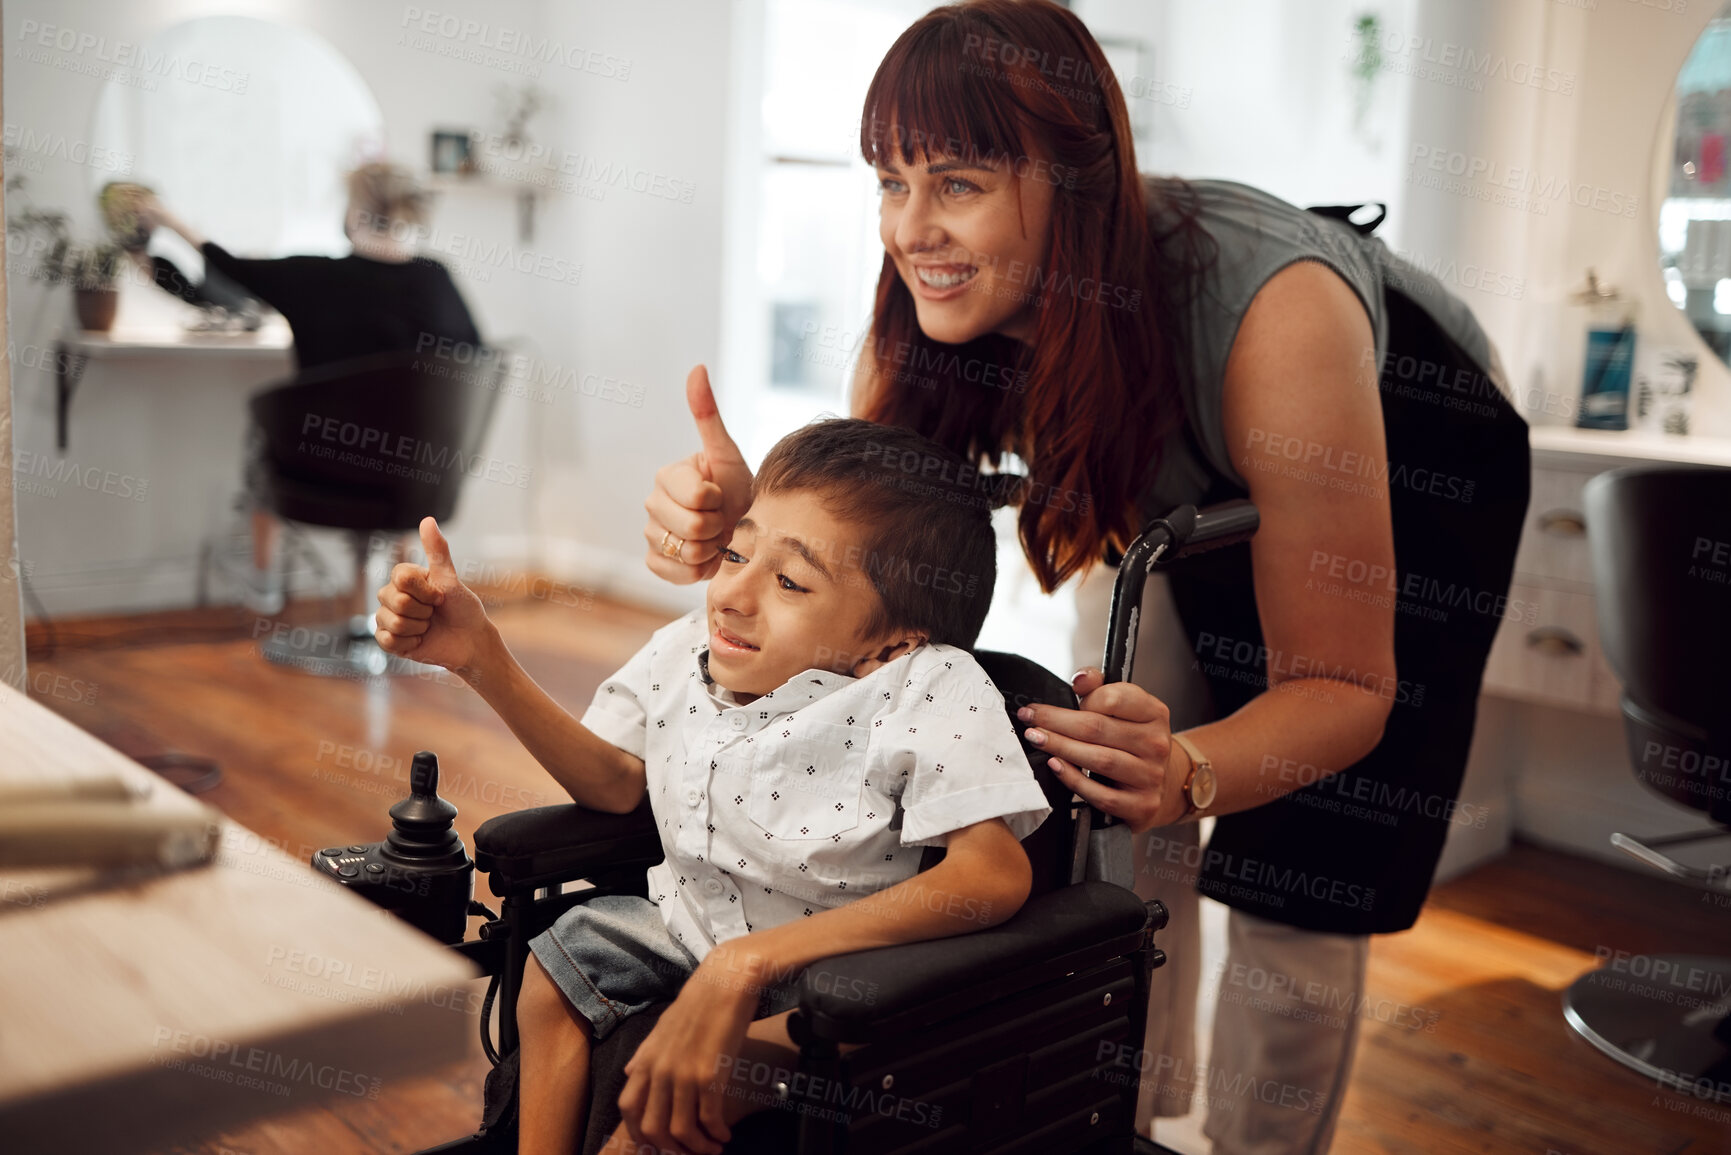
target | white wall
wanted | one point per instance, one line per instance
(1259, 91)
(649, 306)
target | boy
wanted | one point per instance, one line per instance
(799, 740)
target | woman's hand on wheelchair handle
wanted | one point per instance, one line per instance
(698, 499)
(1121, 732)
(676, 1083)
(426, 612)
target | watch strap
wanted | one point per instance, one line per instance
(1198, 760)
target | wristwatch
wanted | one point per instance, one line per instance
(1199, 787)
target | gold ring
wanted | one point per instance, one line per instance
(674, 552)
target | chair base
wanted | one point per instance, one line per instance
(1662, 1021)
(342, 649)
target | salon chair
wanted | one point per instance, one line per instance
(1660, 540)
(370, 446)
(1021, 1038)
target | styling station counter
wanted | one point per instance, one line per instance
(1550, 761)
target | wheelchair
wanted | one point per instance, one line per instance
(1014, 1040)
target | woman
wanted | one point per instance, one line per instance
(1173, 341)
(381, 298)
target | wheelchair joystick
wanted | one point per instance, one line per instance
(422, 821)
(421, 871)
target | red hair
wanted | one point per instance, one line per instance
(1022, 82)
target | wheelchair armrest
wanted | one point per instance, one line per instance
(915, 984)
(529, 849)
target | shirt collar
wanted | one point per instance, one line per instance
(799, 690)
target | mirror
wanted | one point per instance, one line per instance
(1695, 213)
(257, 153)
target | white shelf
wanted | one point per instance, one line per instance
(272, 341)
(1562, 443)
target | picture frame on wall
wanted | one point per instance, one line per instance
(450, 152)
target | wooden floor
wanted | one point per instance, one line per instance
(312, 762)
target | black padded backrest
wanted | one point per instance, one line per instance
(1660, 539)
(398, 428)
(1023, 682)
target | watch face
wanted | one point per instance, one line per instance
(1202, 787)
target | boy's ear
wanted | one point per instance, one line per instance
(887, 653)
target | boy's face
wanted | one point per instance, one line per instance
(791, 595)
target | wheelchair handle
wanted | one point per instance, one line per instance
(1183, 532)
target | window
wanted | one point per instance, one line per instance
(804, 215)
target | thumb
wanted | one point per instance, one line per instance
(718, 446)
(1086, 680)
(438, 550)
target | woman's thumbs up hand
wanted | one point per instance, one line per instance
(698, 499)
(427, 614)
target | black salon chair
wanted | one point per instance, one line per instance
(1661, 546)
(370, 446)
(1023, 1038)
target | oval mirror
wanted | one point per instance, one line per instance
(1695, 213)
(247, 129)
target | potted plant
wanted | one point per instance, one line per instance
(92, 269)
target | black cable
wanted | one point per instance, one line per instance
(487, 1021)
(492, 991)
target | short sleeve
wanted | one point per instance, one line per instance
(619, 713)
(964, 764)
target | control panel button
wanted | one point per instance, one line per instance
(348, 871)
(331, 851)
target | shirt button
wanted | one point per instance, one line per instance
(712, 886)
(737, 721)
(692, 797)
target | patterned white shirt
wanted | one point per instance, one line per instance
(815, 794)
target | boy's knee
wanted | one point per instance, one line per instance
(539, 992)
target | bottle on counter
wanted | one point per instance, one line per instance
(1610, 357)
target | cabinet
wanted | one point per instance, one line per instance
(1550, 653)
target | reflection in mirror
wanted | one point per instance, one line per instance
(1695, 217)
(255, 156)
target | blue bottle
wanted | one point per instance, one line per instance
(1610, 360)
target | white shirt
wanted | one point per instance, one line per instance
(815, 794)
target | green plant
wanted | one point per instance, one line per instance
(63, 261)
(1366, 62)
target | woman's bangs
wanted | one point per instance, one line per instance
(923, 104)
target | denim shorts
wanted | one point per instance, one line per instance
(612, 957)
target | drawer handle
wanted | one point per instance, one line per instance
(1563, 523)
(1555, 642)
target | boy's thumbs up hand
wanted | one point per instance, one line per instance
(441, 574)
(427, 614)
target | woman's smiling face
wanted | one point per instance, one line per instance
(966, 238)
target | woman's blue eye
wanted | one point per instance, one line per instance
(788, 584)
(888, 185)
(729, 555)
(955, 181)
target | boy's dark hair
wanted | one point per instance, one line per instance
(930, 551)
